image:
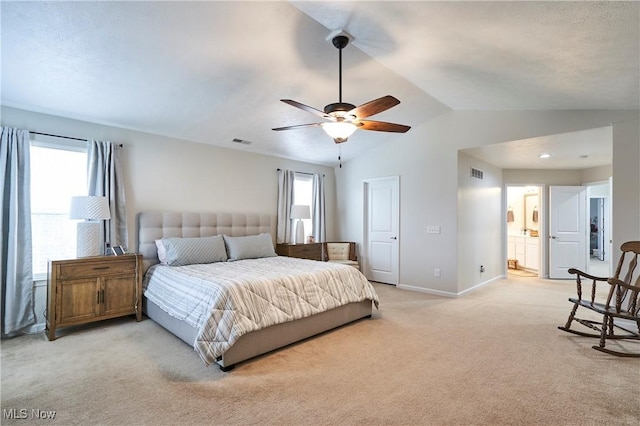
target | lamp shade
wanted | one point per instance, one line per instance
(299, 211)
(89, 208)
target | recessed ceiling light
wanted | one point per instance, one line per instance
(544, 155)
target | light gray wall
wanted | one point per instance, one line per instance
(626, 179)
(426, 160)
(596, 174)
(480, 224)
(536, 177)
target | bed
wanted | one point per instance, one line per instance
(221, 321)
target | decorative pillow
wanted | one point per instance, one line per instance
(187, 251)
(162, 252)
(250, 247)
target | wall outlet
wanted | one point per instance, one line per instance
(481, 268)
(436, 272)
(433, 229)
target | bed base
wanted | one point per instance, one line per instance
(262, 341)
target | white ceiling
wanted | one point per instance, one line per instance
(214, 71)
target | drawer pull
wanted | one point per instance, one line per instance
(100, 267)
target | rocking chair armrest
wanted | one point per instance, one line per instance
(617, 282)
(578, 272)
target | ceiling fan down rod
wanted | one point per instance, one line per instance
(340, 75)
(340, 41)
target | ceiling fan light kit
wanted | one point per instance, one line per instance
(339, 130)
(345, 118)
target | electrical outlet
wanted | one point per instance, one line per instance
(433, 229)
(436, 272)
(481, 268)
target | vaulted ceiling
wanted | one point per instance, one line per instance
(211, 72)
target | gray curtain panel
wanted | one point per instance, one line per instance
(104, 175)
(318, 209)
(15, 227)
(284, 229)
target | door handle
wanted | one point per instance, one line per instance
(394, 238)
(553, 237)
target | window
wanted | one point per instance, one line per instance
(303, 194)
(58, 172)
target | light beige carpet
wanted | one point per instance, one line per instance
(493, 357)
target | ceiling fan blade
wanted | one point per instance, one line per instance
(306, 108)
(297, 126)
(374, 107)
(381, 126)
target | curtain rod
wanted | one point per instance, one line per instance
(64, 137)
(57, 136)
(304, 173)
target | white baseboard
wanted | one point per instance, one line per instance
(426, 290)
(448, 293)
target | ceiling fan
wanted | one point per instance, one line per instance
(345, 118)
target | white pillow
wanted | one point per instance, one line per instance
(162, 252)
(249, 247)
(188, 251)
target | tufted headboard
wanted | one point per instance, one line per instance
(154, 225)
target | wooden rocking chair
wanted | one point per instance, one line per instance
(622, 302)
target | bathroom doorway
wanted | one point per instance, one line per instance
(524, 230)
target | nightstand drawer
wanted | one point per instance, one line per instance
(306, 250)
(311, 251)
(90, 269)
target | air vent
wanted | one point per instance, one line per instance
(478, 174)
(241, 141)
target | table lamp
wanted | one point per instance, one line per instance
(93, 210)
(300, 212)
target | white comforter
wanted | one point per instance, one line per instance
(228, 299)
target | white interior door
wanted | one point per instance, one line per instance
(382, 226)
(567, 230)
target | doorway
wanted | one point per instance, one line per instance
(524, 230)
(599, 255)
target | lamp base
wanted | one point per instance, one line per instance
(300, 232)
(88, 239)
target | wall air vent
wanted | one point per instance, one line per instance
(241, 141)
(478, 174)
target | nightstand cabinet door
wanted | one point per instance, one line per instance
(119, 296)
(77, 301)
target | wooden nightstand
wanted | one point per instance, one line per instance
(92, 289)
(311, 251)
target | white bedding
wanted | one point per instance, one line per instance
(225, 300)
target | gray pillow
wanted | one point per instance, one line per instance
(250, 247)
(187, 251)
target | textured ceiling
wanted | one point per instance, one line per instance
(501, 55)
(214, 71)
